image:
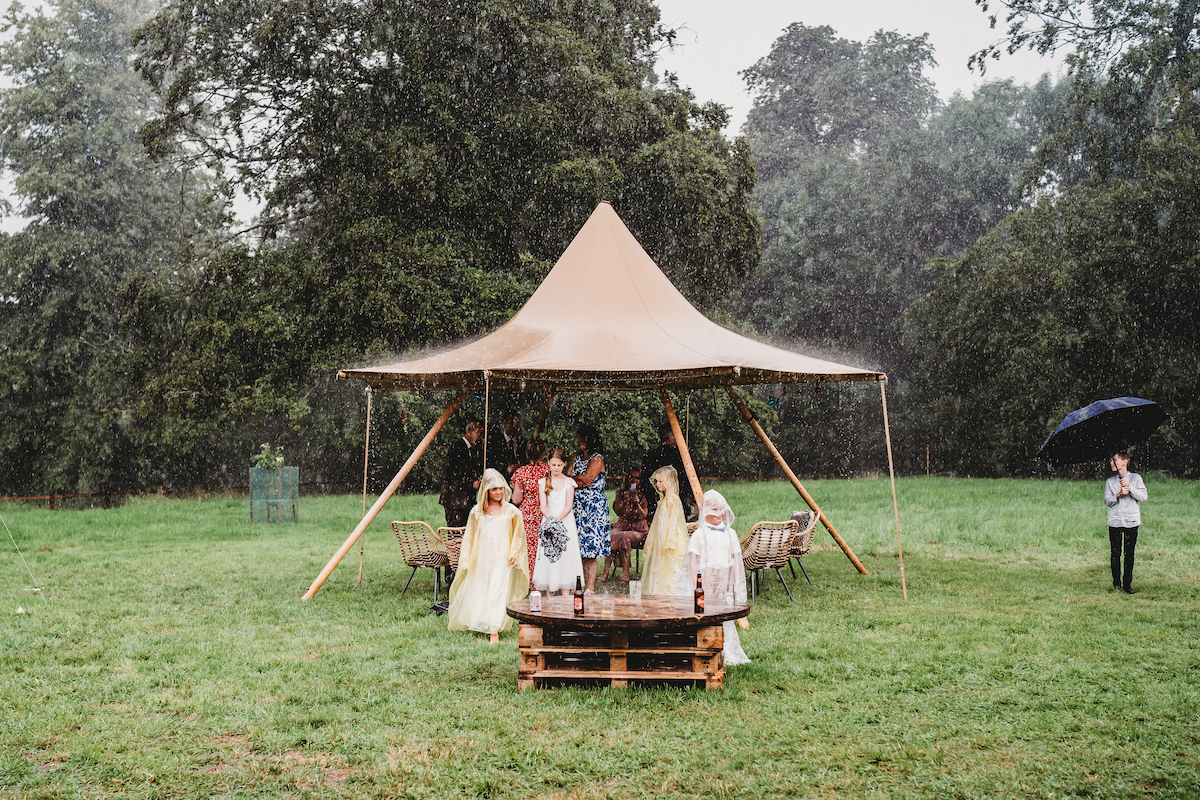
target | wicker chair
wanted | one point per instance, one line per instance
(802, 542)
(768, 545)
(421, 548)
(452, 537)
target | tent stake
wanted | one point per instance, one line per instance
(791, 476)
(387, 494)
(688, 467)
(892, 473)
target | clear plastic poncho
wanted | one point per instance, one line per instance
(715, 554)
(667, 540)
(486, 581)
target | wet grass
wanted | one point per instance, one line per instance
(173, 657)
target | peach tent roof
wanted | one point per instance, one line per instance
(640, 333)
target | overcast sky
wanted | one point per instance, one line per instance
(719, 38)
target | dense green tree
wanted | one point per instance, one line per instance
(1128, 65)
(865, 176)
(99, 214)
(421, 166)
(825, 109)
(489, 129)
(1093, 292)
(1086, 296)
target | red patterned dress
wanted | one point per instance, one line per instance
(527, 478)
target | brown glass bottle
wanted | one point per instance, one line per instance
(699, 593)
(578, 593)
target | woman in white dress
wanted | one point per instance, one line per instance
(715, 554)
(493, 569)
(558, 561)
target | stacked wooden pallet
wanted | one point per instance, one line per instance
(619, 642)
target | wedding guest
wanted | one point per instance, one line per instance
(667, 455)
(667, 541)
(591, 504)
(525, 482)
(460, 477)
(1124, 494)
(505, 448)
(492, 568)
(558, 563)
(630, 530)
(715, 554)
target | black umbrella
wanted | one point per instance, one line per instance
(1096, 431)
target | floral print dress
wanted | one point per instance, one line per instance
(527, 478)
(591, 512)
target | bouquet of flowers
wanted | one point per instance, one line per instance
(552, 538)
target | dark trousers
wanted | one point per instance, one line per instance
(1115, 537)
(455, 518)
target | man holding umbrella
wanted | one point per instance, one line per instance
(1104, 429)
(1123, 494)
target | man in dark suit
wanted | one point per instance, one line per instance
(504, 446)
(460, 479)
(667, 455)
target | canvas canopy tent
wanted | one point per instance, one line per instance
(630, 329)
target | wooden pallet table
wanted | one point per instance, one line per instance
(621, 641)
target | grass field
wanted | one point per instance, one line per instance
(172, 656)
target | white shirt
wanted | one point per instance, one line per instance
(1126, 511)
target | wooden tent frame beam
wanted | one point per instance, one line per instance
(688, 467)
(791, 476)
(387, 493)
(685, 454)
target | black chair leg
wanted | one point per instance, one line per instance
(802, 569)
(785, 586)
(793, 569)
(410, 577)
(437, 584)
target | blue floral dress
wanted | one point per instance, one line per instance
(591, 512)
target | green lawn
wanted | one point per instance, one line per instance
(173, 657)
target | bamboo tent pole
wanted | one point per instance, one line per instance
(387, 493)
(892, 473)
(367, 452)
(791, 476)
(366, 463)
(688, 467)
(487, 386)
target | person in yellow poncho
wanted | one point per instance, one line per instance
(667, 541)
(493, 569)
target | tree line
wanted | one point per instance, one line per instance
(418, 168)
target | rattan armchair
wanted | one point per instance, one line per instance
(802, 541)
(421, 547)
(768, 545)
(452, 538)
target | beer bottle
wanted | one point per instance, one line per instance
(578, 596)
(699, 593)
